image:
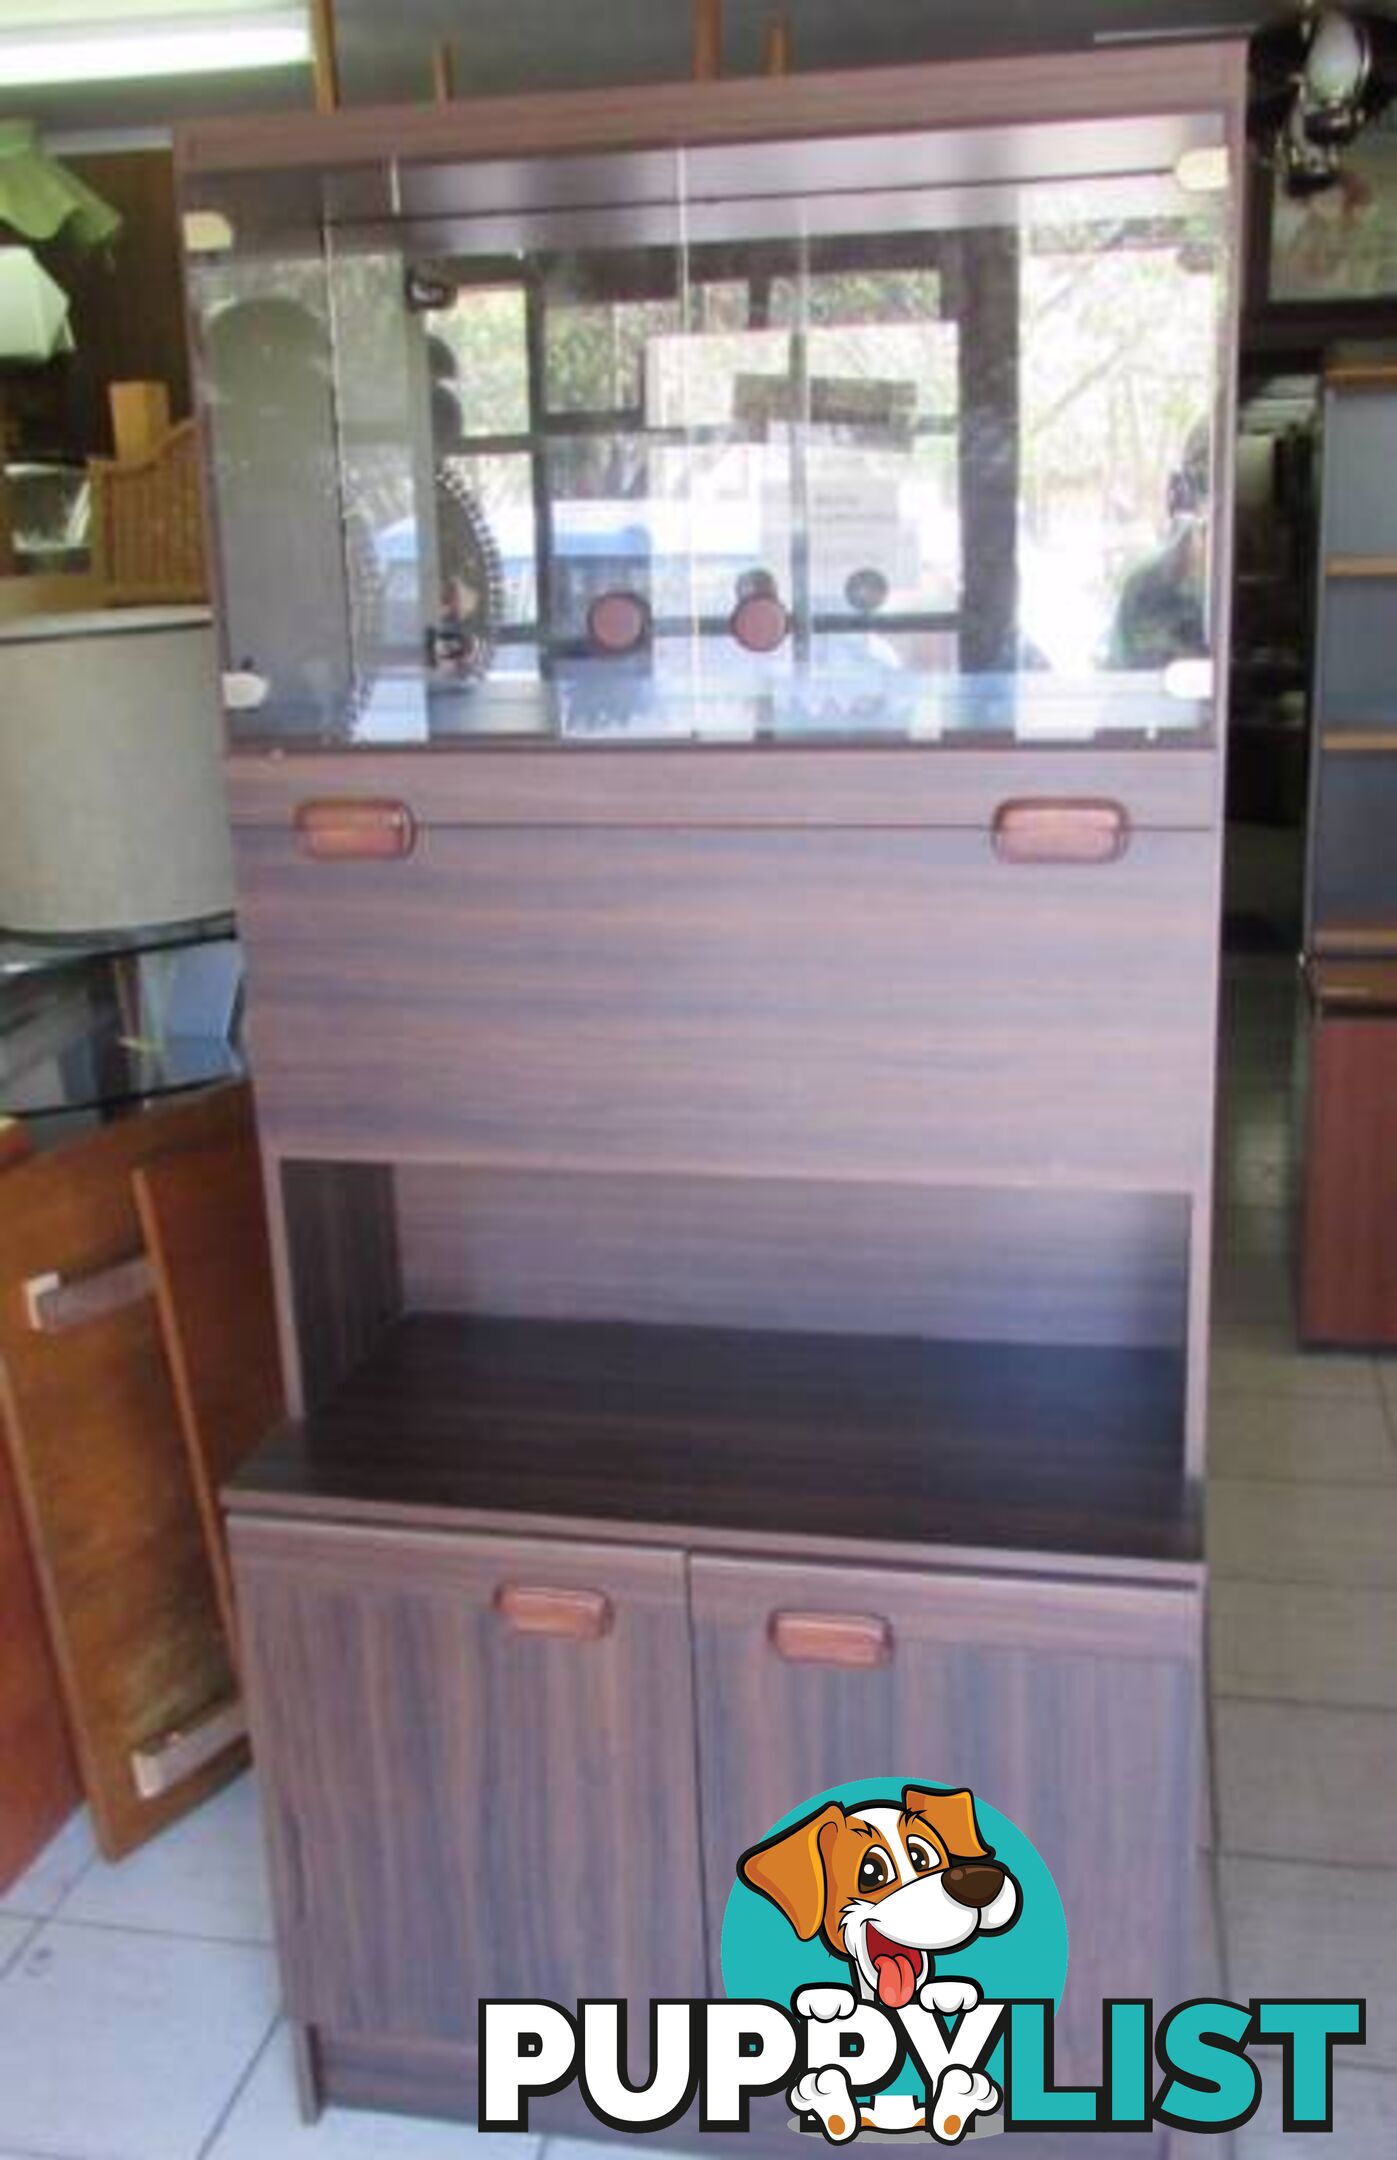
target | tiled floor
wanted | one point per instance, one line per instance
(138, 2012)
(1302, 1528)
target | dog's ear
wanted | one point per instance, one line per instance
(790, 1870)
(951, 1815)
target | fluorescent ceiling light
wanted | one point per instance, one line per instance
(144, 47)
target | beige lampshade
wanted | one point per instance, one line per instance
(111, 800)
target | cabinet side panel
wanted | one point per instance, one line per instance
(342, 1249)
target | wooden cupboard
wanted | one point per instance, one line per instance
(727, 827)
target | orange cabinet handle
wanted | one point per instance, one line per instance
(855, 1640)
(349, 828)
(540, 1609)
(1052, 829)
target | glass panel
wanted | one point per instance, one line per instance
(265, 343)
(864, 438)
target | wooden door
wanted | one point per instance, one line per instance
(204, 1221)
(1071, 1707)
(92, 1427)
(477, 1762)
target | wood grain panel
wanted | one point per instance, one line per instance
(99, 1462)
(39, 1785)
(342, 1262)
(1348, 1289)
(770, 1253)
(205, 1227)
(1075, 1712)
(887, 1005)
(708, 1434)
(452, 1803)
(1205, 77)
(1160, 788)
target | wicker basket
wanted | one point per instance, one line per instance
(147, 523)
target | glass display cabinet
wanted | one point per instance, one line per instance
(898, 436)
(724, 594)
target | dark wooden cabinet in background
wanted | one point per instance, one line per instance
(737, 1123)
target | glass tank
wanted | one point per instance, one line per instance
(908, 437)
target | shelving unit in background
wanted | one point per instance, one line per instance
(1351, 907)
(1349, 1258)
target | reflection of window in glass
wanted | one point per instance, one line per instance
(484, 330)
(1118, 355)
(595, 340)
(715, 378)
(856, 296)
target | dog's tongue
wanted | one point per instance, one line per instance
(897, 1977)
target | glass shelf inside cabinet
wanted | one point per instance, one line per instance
(844, 440)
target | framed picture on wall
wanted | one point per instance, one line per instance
(1338, 249)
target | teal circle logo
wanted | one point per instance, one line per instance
(765, 1953)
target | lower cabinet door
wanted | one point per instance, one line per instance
(1072, 1707)
(476, 1758)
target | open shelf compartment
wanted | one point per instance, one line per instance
(709, 1358)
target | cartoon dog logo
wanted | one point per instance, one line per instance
(892, 1888)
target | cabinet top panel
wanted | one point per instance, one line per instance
(862, 427)
(1179, 77)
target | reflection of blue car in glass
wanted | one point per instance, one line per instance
(597, 546)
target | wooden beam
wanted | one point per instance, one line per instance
(326, 59)
(443, 72)
(776, 46)
(708, 40)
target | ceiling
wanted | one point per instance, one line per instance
(385, 49)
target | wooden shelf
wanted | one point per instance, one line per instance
(1359, 742)
(1353, 986)
(1361, 374)
(1361, 566)
(1355, 938)
(700, 1433)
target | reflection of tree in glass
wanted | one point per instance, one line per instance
(1119, 344)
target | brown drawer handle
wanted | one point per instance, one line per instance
(855, 1640)
(354, 828)
(539, 1609)
(167, 1761)
(1046, 829)
(55, 1303)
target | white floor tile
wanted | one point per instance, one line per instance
(1276, 1531)
(1205, 1970)
(1305, 1784)
(1258, 1362)
(13, 1934)
(584, 2149)
(1365, 2121)
(47, 1881)
(1303, 1642)
(204, 1876)
(1294, 1930)
(1242, 1234)
(1387, 1381)
(126, 2047)
(264, 2124)
(1293, 1436)
(1256, 1295)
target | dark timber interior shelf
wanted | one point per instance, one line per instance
(1076, 1450)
